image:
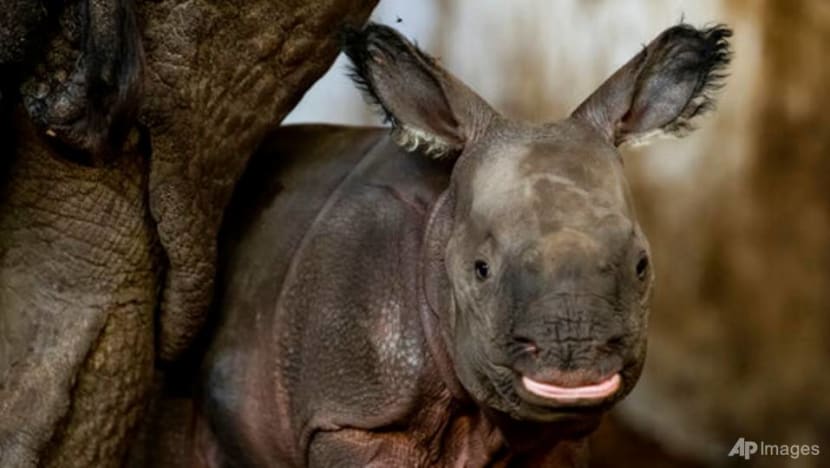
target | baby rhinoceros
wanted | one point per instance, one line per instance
(469, 291)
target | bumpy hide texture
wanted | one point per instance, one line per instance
(77, 284)
(101, 226)
(85, 92)
(219, 75)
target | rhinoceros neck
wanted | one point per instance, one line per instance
(434, 295)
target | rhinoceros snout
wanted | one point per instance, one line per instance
(582, 372)
(568, 349)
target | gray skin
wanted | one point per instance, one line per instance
(359, 323)
(107, 244)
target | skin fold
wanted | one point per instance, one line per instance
(127, 126)
(385, 298)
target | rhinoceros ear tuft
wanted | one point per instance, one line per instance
(663, 88)
(428, 108)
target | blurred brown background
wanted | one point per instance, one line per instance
(738, 213)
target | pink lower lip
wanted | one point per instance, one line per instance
(587, 392)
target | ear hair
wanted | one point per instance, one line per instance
(663, 88)
(377, 45)
(715, 57)
(355, 44)
(413, 139)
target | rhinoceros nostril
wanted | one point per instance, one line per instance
(527, 345)
(614, 344)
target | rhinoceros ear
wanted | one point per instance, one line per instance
(428, 108)
(663, 88)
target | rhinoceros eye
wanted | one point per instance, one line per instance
(482, 270)
(642, 267)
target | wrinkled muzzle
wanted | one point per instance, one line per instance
(569, 348)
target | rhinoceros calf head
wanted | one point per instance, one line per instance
(544, 275)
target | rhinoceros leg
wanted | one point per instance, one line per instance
(80, 256)
(220, 77)
(78, 266)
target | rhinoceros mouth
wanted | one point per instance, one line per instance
(572, 395)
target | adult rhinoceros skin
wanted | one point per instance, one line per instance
(92, 248)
